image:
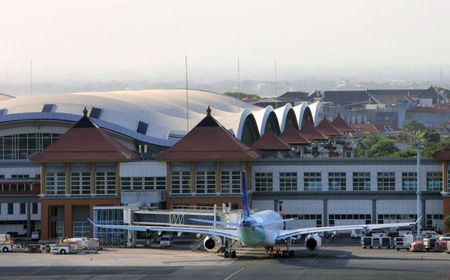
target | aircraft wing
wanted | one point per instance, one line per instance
(284, 234)
(228, 233)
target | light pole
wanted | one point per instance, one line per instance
(419, 202)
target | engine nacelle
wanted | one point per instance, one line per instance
(313, 242)
(212, 243)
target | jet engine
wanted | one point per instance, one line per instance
(212, 243)
(313, 242)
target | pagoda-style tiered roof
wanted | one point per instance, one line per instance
(208, 141)
(311, 133)
(85, 142)
(327, 128)
(341, 125)
(270, 142)
(293, 137)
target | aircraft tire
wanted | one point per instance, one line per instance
(291, 253)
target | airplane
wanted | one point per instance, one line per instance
(260, 229)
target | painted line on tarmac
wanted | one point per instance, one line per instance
(242, 268)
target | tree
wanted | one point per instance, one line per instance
(375, 146)
(413, 125)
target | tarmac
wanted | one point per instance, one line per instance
(333, 261)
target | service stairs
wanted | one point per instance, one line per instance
(198, 244)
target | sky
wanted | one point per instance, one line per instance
(132, 38)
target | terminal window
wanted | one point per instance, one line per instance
(263, 181)
(336, 181)
(434, 181)
(288, 181)
(361, 181)
(312, 181)
(409, 181)
(386, 181)
(95, 113)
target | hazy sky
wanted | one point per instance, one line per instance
(66, 38)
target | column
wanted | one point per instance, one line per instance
(117, 178)
(193, 178)
(68, 231)
(168, 177)
(42, 178)
(68, 171)
(374, 211)
(28, 211)
(325, 213)
(91, 216)
(444, 166)
(93, 178)
(44, 221)
(218, 172)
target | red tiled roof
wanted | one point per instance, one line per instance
(85, 142)
(293, 137)
(327, 128)
(270, 142)
(443, 155)
(208, 141)
(341, 125)
(311, 133)
(365, 128)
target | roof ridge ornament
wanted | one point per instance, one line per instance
(208, 111)
(85, 111)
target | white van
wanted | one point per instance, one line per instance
(166, 241)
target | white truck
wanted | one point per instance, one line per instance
(6, 243)
(75, 245)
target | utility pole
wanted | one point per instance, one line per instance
(238, 80)
(187, 94)
(418, 192)
(276, 86)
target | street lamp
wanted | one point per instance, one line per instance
(419, 202)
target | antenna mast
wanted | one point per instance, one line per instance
(238, 89)
(276, 86)
(187, 94)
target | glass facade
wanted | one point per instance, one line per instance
(205, 181)
(288, 181)
(386, 181)
(336, 181)
(21, 146)
(181, 182)
(409, 181)
(313, 181)
(230, 181)
(434, 181)
(361, 181)
(263, 181)
(55, 183)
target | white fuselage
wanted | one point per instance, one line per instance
(260, 229)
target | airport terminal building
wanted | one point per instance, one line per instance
(63, 156)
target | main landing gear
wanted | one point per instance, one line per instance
(228, 252)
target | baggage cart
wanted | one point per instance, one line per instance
(367, 242)
(440, 246)
(384, 242)
(417, 246)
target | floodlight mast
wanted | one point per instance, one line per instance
(418, 193)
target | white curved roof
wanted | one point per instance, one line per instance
(163, 110)
(282, 115)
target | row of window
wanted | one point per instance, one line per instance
(20, 146)
(80, 183)
(337, 181)
(143, 183)
(22, 208)
(205, 181)
(6, 187)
